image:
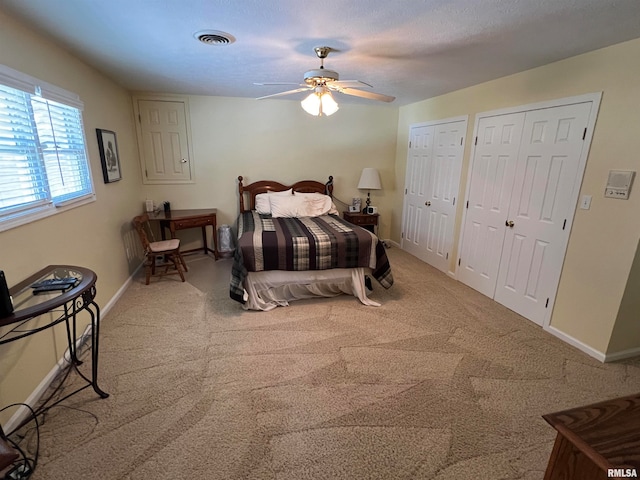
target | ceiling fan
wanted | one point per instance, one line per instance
(322, 82)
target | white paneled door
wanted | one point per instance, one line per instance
(492, 173)
(541, 203)
(434, 164)
(526, 170)
(418, 179)
(163, 139)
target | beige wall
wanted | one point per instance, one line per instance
(627, 328)
(277, 140)
(92, 235)
(603, 239)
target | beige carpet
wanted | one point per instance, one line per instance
(438, 383)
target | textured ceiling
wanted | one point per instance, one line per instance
(410, 49)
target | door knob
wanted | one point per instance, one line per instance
(509, 223)
(428, 204)
(184, 160)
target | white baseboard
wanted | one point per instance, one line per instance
(23, 412)
(105, 310)
(621, 355)
(592, 352)
(603, 357)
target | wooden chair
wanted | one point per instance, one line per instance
(169, 250)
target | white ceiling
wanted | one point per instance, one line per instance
(410, 49)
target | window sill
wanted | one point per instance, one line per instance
(38, 213)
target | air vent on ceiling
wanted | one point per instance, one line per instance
(214, 37)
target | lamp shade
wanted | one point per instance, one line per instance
(320, 102)
(369, 179)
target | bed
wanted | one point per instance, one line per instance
(292, 244)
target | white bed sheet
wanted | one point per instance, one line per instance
(270, 289)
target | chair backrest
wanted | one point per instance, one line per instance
(141, 224)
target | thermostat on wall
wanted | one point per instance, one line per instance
(619, 184)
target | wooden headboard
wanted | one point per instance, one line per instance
(264, 186)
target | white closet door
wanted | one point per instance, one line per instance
(416, 190)
(446, 166)
(491, 183)
(434, 163)
(547, 171)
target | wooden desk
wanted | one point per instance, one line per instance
(176, 220)
(597, 441)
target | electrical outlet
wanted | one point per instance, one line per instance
(585, 204)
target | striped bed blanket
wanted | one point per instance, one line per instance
(305, 243)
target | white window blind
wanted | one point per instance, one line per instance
(43, 160)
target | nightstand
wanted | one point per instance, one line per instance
(365, 220)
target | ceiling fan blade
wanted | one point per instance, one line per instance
(370, 95)
(350, 83)
(288, 92)
(279, 83)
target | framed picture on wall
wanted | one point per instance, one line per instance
(109, 155)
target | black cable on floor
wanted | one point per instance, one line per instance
(24, 467)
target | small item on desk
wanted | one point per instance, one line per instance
(51, 288)
(166, 206)
(53, 284)
(6, 304)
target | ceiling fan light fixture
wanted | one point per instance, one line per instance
(322, 82)
(320, 102)
(329, 105)
(314, 77)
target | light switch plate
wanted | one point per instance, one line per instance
(585, 203)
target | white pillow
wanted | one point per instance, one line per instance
(286, 206)
(301, 205)
(316, 204)
(263, 205)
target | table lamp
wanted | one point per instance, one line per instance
(369, 180)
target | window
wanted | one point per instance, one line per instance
(43, 161)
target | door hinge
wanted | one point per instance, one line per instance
(447, 257)
(467, 203)
(405, 191)
(459, 261)
(476, 141)
(564, 224)
(461, 139)
(584, 134)
(139, 119)
(454, 201)
(409, 143)
(402, 235)
(146, 174)
(546, 304)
